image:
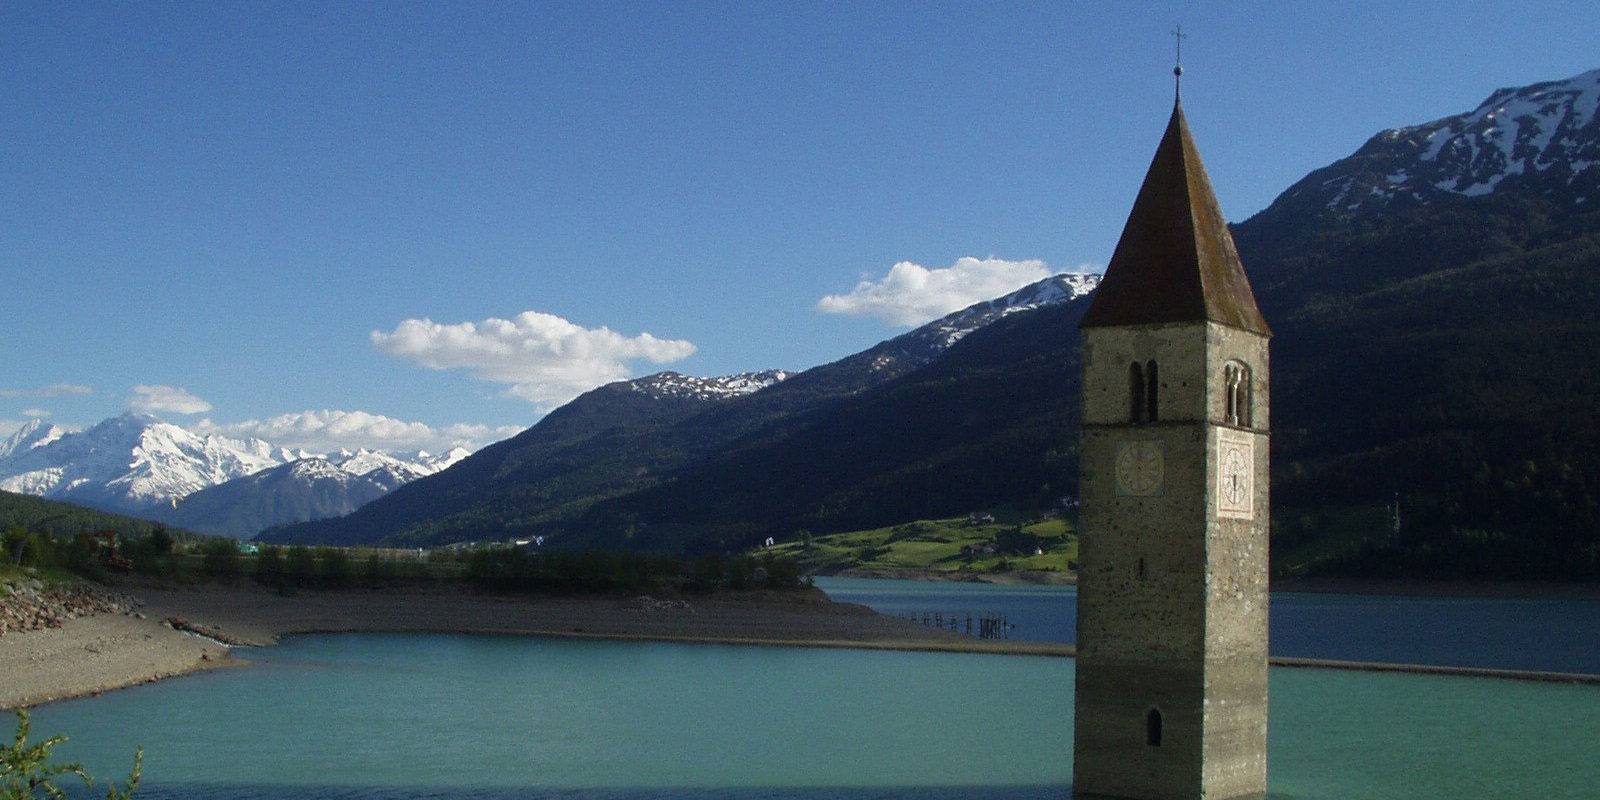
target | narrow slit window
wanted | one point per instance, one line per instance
(1152, 728)
(1150, 392)
(1135, 392)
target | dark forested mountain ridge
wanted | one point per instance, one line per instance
(27, 513)
(631, 435)
(1467, 392)
(555, 446)
(1435, 299)
(994, 420)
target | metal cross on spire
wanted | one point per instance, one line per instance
(1177, 62)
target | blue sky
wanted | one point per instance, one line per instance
(409, 224)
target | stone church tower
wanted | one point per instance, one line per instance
(1172, 588)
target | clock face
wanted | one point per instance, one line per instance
(1235, 475)
(1140, 468)
(1234, 479)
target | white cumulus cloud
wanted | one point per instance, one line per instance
(165, 399)
(912, 294)
(327, 431)
(540, 357)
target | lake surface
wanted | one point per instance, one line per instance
(379, 716)
(1493, 633)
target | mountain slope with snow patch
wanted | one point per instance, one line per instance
(1542, 139)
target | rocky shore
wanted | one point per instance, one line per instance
(60, 640)
(30, 604)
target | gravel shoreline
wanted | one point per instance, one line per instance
(160, 632)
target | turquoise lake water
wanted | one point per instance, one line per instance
(378, 716)
(1496, 633)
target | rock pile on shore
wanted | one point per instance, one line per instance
(30, 604)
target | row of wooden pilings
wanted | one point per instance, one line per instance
(984, 626)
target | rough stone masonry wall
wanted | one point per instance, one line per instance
(1236, 549)
(1236, 614)
(1172, 598)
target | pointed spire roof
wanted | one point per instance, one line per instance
(1175, 261)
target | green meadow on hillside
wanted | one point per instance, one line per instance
(956, 545)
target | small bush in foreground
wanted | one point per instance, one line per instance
(26, 771)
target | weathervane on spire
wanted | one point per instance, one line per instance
(1177, 62)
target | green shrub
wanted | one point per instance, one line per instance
(270, 568)
(159, 542)
(333, 567)
(26, 771)
(379, 569)
(28, 548)
(300, 565)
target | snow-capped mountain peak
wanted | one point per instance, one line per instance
(1516, 132)
(927, 342)
(362, 461)
(129, 463)
(313, 468)
(677, 385)
(34, 433)
(390, 470)
(138, 464)
(1543, 138)
(442, 461)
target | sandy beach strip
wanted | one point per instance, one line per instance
(99, 653)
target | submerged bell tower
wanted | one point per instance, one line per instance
(1172, 587)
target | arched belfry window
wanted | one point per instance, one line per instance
(1236, 382)
(1152, 728)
